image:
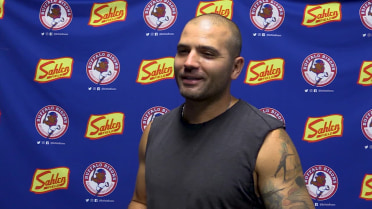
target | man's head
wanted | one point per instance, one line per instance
(208, 57)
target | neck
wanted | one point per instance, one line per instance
(196, 112)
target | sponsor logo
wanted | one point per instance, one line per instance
(315, 15)
(365, 13)
(48, 70)
(223, 8)
(150, 114)
(106, 13)
(51, 122)
(2, 8)
(267, 15)
(160, 14)
(151, 71)
(367, 124)
(55, 14)
(319, 69)
(47, 180)
(273, 112)
(100, 126)
(259, 72)
(103, 68)
(321, 182)
(365, 75)
(320, 128)
(100, 179)
(366, 191)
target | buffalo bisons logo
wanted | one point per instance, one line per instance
(320, 128)
(47, 180)
(109, 12)
(259, 72)
(55, 14)
(319, 69)
(267, 15)
(316, 15)
(223, 8)
(365, 75)
(273, 112)
(160, 14)
(367, 124)
(103, 68)
(100, 179)
(365, 13)
(150, 114)
(366, 191)
(51, 122)
(151, 71)
(53, 69)
(321, 182)
(100, 126)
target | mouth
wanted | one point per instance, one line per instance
(190, 80)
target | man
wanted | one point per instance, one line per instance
(216, 151)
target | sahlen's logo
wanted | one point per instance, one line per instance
(55, 15)
(315, 15)
(106, 13)
(223, 8)
(319, 69)
(150, 114)
(103, 68)
(321, 182)
(160, 14)
(366, 124)
(100, 179)
(365, 13)
(47, 180)
(51, 122)
(267, 15)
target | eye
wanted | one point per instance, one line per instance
(181, 51)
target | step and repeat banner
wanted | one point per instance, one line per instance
(80, 80)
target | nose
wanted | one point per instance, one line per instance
(192, 60)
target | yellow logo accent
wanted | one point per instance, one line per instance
(53, 69)
(106, 13)
(100, 126)
(365, 75)
(366, 191)
(152, 71)
(47, 180)
(2, 8)
(259, 72)
(315, 15)
(321, 128)
(224, 8)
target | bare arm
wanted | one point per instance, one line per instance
(139, 196)
(280, 176)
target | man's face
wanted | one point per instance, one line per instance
(203, 64)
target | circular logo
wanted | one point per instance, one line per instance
(267, 16)
(367, 124)
(103, 68)
(100, 179)
(160, 14)
(319, 69)
(51, 122)
(274, 113)
(56, 15)
(150, 114)
(321, 182)
(365, 13)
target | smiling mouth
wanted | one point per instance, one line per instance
(190, 80)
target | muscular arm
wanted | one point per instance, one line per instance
(280, 177)
(139, 196)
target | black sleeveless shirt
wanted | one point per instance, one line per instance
(208, 165)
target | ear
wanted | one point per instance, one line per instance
(237, 67)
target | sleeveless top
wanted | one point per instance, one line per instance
(208, 165)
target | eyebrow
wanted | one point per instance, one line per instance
(200, 47)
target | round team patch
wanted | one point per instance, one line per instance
(274, 113)
(160, 15)
(319, 69)
(365, 13)
(321, 182)
(56, 15)
(150, 114)
(100, 179)
(51, 122)
(267, 16)
(103, 68)
(367, 124)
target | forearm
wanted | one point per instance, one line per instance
(136, 205)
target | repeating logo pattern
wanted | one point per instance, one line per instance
(319, 69)
(47, 180)
(51, 121)
(150, 114)
(55, 14)
(274, 113)
(321, 182)
(366, 124)
(160, 15)
(365, 13)
(267, 15)
(100, 179)
(103, 68)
